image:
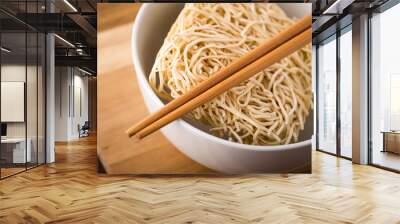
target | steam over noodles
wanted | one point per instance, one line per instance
(268, 109)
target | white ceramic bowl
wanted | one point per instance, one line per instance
(150, 28)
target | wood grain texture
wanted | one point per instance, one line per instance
(71, 191)
(120, 104)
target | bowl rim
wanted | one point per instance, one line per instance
(140, 74)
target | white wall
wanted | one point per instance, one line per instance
(62, 81)
(34, 125)
(11, 73)
(79, 117)
(15, 72)
(70, 84)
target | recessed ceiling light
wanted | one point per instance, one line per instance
(5, 50)
(64, 40)
(337, 7)
(70, 5)
(84, 71)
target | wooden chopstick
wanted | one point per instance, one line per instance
(245, 73)
(222, 74)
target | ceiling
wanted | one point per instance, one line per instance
(329, 16)
(76, 20)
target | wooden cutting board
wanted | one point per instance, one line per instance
(120, 104)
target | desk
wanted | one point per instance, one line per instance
(15, 148)
(391, 141)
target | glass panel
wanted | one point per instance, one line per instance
(23, 90)
(13, 91)
(385, 114)
(327, 96)
(31, 100)
(41, 98)
(346, 94)
(32, 90)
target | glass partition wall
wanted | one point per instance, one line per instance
(13, 90)
(345, 62)
(334, 99)
(384, 113)
(22, 88)
(334, 86)
(327, 95)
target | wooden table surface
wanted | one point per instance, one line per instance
(120, 104)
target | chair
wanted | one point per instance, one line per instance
(84, 130)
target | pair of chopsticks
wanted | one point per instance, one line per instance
(285, 43)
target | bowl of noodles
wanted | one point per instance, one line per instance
(263, 125)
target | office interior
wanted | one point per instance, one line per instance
(357, 83)
(48, 80)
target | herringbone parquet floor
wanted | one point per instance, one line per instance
(70, 191)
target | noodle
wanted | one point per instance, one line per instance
(268, 109)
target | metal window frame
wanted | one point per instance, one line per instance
(339, 32)
(44, 73)
(338, 95)
(387, 5)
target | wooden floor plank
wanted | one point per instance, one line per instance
(71, 191)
